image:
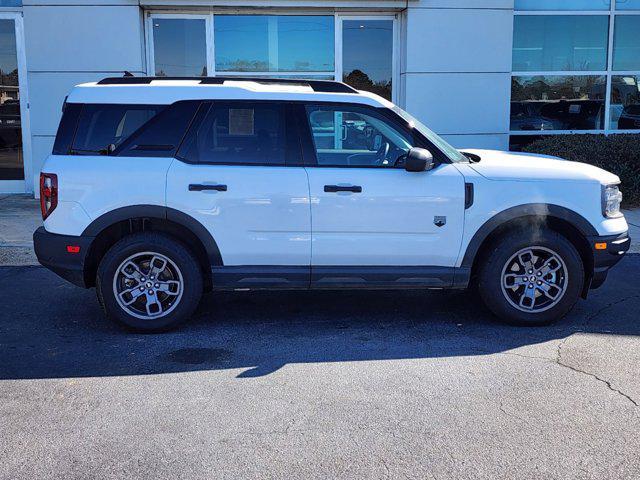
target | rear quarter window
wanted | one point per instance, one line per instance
(104, 127)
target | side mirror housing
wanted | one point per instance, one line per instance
(418, 160)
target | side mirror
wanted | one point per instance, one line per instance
(418, 160)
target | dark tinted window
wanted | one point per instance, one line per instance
(238, 133)
(161, 136)
(104, 125)
(67, 128)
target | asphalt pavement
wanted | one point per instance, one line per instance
(299, 385)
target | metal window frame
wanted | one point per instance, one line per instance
(611, 13)
(336, 74)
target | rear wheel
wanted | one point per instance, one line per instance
(149, 282)
(531, 277)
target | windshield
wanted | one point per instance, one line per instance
(439, 142)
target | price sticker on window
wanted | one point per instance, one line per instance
(240, 121)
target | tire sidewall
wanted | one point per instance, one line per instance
(490, 279)
(170, 248)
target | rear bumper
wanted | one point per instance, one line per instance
(604, 259)
(51, 250)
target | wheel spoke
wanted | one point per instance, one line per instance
(528, 299)
(550, 290)
(131, 295)
(154, 307)
(550, 266)
(170, 287)
(527, 259)
(512, 280)
(157, 265)
(132, 271)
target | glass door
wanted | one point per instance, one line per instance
(12, 107)
(366, 54)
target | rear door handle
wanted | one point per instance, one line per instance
(199, 187)
(343, 188)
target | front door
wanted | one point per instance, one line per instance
(236, 175)
(367, 211)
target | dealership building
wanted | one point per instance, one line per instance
(482, 73)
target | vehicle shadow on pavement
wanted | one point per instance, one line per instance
(50, 329)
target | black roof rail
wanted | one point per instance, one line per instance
(326, 86)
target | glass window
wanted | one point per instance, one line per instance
(355, 137)
(238, 133)
(101, 128)
(180, 47)
(161, 136)
(367, 55)
(560, 43)
(628, 4)
(11, 159)
(626, 43)
(563, 4)
(273, 43)
(625, 102)
(557, 103)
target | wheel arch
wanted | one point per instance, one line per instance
(112, 226)
(568, 223)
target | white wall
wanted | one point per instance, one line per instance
(456, 68)
(71, 44)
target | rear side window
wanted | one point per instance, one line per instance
(102, 128)
(238, 133)
(67, 128)
(161, 136)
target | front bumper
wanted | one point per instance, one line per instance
(607, 251)
(65, 255)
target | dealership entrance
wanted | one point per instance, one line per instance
(14, 153)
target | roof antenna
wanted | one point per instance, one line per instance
(128, 74)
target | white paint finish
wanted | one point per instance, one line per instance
(262, 219)
(469, 103)
(509, 166)
(169, 91)
(391, 222)
(41, 149)
(491, 142)
(103, 183)
(68, 218)
(459, 40)
(101, 38)
(48, 90)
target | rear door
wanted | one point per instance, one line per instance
(239, 173)
(372, 221)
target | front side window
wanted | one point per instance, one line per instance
(243, 133)
(355, 137)
(102, 128)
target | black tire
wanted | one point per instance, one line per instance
(180, 261)
(494, 264)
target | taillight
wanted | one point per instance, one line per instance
(48, 193)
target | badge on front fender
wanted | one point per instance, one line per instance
(439, 221)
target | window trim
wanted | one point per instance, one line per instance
(308, 145)
(612, 13)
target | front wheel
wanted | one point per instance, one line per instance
(149, 282)
(531, 277)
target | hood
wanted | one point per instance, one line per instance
(497, 165)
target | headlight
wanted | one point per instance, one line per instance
(611, 200)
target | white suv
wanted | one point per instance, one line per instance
(159, 189)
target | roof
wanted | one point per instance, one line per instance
(163, 90)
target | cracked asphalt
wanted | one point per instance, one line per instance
(318, 385)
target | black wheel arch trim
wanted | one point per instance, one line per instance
(541, 210)
(159, 212)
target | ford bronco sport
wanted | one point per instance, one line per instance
(159, 189)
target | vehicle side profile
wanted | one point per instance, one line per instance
(160, 189)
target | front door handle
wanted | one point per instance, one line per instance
(343, 188)
(199, 187)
